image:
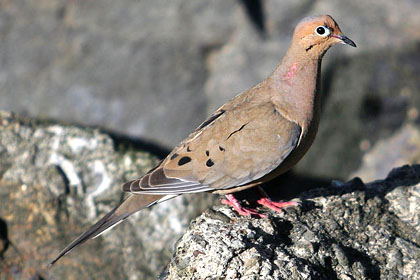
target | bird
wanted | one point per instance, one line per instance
(258, 135)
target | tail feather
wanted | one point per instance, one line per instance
(131, 205)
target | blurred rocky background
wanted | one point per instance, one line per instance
(147, 73)
(155, 69)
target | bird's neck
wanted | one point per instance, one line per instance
(295, 84)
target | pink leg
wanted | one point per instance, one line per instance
(232, 201)
(276, 206)
(264, 200)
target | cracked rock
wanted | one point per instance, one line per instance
(55, 181)
(353, 231)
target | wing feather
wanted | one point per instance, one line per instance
(231, 148)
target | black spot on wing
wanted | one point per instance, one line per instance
(174, 156)
(221, 149)
(207, 153)
(184, 160)
(209, 163)
(310, 47)
(188, 149)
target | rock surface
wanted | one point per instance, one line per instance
(155, 70)
(55, 181)
(348, 231)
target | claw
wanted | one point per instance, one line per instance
(264, 201)
(275, 206)
(244, 211)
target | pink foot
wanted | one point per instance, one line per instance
(244, 211)
(276, 206)
(264, 201)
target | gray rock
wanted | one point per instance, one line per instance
(55, 181)
(354, 231)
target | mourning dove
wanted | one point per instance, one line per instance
(258, 135)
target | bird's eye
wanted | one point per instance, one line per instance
(322, 31)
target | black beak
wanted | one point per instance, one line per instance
(345, 40)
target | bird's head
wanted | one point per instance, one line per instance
(315, 35)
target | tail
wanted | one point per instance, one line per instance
(131, 205)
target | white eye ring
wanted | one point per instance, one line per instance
(322, 31)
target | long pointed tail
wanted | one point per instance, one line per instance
(131, 205)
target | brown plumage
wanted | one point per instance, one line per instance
(251, 139)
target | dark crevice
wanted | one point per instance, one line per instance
(65, 179)
(4, 239)
(372, 268)
(255, 11)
